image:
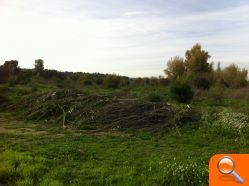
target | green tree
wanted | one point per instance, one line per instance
(199, 70)
(39, 66)
(175, 68)
(234, 77)
(197, 60)
(217, 76)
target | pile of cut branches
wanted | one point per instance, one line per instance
(74, 108)
(3, 102)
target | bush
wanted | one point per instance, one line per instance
(112, 81)
(203, 81)
(164, 81)
(216, 96)
(154, 97)
(24, 77)
(99, 81)
(87, 82)
(230, 123)
(86, 79)
(181, 91)
(138, 81)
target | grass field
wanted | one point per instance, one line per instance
(46, 154)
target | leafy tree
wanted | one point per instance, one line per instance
(217, 76)
(197, 60)
(234, 77)
(39, 66)
(175, 68)
(198, 69)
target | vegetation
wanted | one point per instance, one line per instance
(233, 77)
(39, 66)
(181, 91)
(200, 72)
(176, 68)
(65, 128)
(112, 81)
(44, 154)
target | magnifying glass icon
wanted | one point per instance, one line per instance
(226, 166)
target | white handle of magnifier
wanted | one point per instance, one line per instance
(241, 180)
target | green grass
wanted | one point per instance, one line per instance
(62, 157)
(50, 155)
(15, 92)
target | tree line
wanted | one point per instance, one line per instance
(182, 74)
(196, 69)
(195, 72)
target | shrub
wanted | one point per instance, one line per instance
(203, 80)
(154, 97)
(229, 122)
(126, 81)
(99, 81)
(138, 81)
(112, 81)
(216, 96)
(164, 81)
(87, 82)
(24, 77)
(181, 91)
(86, 79)
(153, 81)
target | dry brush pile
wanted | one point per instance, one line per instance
(3, 102)
(71, 107)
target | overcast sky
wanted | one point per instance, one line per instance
(128, 37)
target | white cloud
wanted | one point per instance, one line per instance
(139, 46)
(134, 13)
